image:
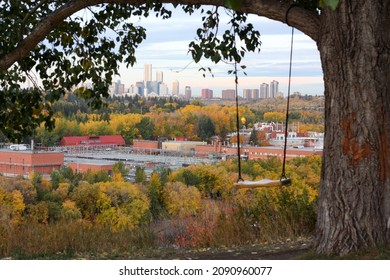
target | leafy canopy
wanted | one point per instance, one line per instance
(88, 47)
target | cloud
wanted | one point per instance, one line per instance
(166, 48)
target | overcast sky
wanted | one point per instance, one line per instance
(166, 48)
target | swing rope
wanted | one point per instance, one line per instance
(283, 176)
(283, 179)
(237, 122)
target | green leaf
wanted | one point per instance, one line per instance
(330, 3)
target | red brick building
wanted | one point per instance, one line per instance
(14, 163)
(256, 152)
(84, 167)
(146, 144)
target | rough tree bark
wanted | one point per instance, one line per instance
(353, 207)
(354, 45)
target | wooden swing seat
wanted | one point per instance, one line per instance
(245, 184)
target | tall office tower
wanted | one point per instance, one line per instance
(228, 94)
(159, 76)
(163, 90)
(121, 89)
(140, 88)
(133, 89)
(118, 88)
(274, 88)
(207, 93)
(264, 90)
(175, 88)
(187, 93)
(147, 73)
(151, 87)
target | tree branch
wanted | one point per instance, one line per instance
(27, 16)
(302, 19)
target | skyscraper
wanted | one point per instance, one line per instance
(140, 88)
(187, 92)
(117, 88)
(147, 73)
(163, 90)
(274, 88)
(159, 77)
(175, 88)
(264, 90)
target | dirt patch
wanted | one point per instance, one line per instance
(288, 250)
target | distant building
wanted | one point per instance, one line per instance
(187, 92)
(250, 94)
(182, 147)
(116, 88)
(14, 163)
(163, 90)
(139, 88)
(273, 89)
(145, 146)
(92, 140)
(175, 88)
(159, 77)
(120, 88)
(207, 93)
(255, 152)
(152, 87)
(147, 73)
(264, 91)
(83, 166)
(228, 94)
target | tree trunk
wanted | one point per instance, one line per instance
(354, 206)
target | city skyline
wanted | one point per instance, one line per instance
(166, 48)
(149, 87)
(157, 87)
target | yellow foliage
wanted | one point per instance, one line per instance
(181, 200)
(274, 116)
(120, 121)
(126, 208)
(214, 180)
(63, 189)
(90, 199)
(117, 177)
(11, 205)
(69, 204)
(38, 213)
(45, 184)
(70, 210)
(189, 109)
(96, 128)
